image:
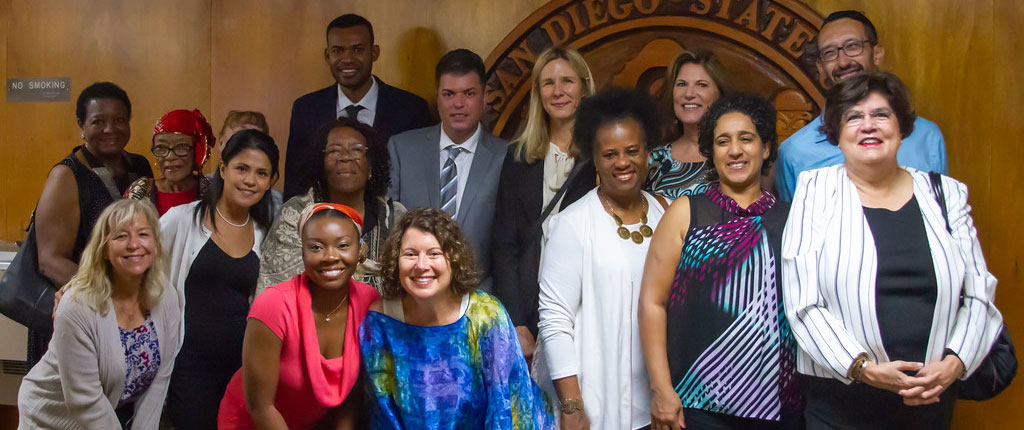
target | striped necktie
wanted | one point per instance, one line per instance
(450, 181)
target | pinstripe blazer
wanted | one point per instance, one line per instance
(829, 269)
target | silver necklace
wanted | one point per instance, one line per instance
(247, 217)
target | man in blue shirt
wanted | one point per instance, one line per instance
(847, 46)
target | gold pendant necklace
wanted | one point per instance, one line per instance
(327, 318)
(624, 233)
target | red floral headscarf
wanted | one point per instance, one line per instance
(190, 123)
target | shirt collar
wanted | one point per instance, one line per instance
(815, 125)
(468, 146)
(368, 102)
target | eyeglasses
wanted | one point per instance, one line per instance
(852, 48)
(354, 152)
(179, 150)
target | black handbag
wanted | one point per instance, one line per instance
(26, 296)
(1000, 365)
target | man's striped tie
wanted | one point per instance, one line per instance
(450, 181)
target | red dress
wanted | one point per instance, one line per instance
(308, 384)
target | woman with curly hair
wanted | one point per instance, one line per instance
(346, 168)
(718, 349)
(591, 267)
(439, 353)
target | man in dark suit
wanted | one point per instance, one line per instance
(350, 55)
(453, 166)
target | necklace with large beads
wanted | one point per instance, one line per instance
(636, 236)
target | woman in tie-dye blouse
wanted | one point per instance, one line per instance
(718, 350)
(437, 353)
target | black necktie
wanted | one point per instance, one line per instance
(352, 112)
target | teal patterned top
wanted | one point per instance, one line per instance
(469, 374)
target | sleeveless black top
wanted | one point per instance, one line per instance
(93, 196)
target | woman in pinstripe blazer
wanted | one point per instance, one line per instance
(888, 306)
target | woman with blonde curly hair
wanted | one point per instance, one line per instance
(536, 168)
(109, 369)
(432, 317)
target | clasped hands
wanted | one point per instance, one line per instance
(924, 387)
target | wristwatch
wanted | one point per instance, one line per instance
(570, 406)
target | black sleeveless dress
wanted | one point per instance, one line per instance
(93, 197)
(217, 292)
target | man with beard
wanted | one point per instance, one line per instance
(847, 45)
(356, 94)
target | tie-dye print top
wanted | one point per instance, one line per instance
(470, 374)
(730, 350)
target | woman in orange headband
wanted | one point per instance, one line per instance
(181, 143)
(300, 358)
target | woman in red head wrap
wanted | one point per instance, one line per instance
(181, 143)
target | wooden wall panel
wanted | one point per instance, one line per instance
(266, 53)
(159, 52)
(5, 147)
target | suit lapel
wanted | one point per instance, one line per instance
(328, 110)
(380, 121)
(430, 151)
(532, 190)
(477, 172)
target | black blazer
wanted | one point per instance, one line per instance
(397, 111)
(515, 240)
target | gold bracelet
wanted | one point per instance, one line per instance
(856, 369)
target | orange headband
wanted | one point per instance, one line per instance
(317, 207)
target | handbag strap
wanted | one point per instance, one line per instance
(940, 197)
(576, 169)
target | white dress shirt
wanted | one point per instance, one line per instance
(829, 268)
(463, 161)
(368, 113)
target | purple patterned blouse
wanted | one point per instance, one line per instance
(142, 359)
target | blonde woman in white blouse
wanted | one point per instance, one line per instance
(591, 269)
(535, 169)
(889, 307)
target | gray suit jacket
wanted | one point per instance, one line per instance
(416, 182)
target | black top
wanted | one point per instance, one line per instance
(730, 349)
(515, 238)
(905, 287)
(93, 196)
(217, 293)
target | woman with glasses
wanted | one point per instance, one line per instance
(886, 288)
(347, 168)
(181, 143)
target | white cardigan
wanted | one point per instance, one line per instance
(588, 311)
(81, 377)
(829, 268)
(183, 236)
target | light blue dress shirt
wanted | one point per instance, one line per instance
(807, 149)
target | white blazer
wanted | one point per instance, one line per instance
(829, 269)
